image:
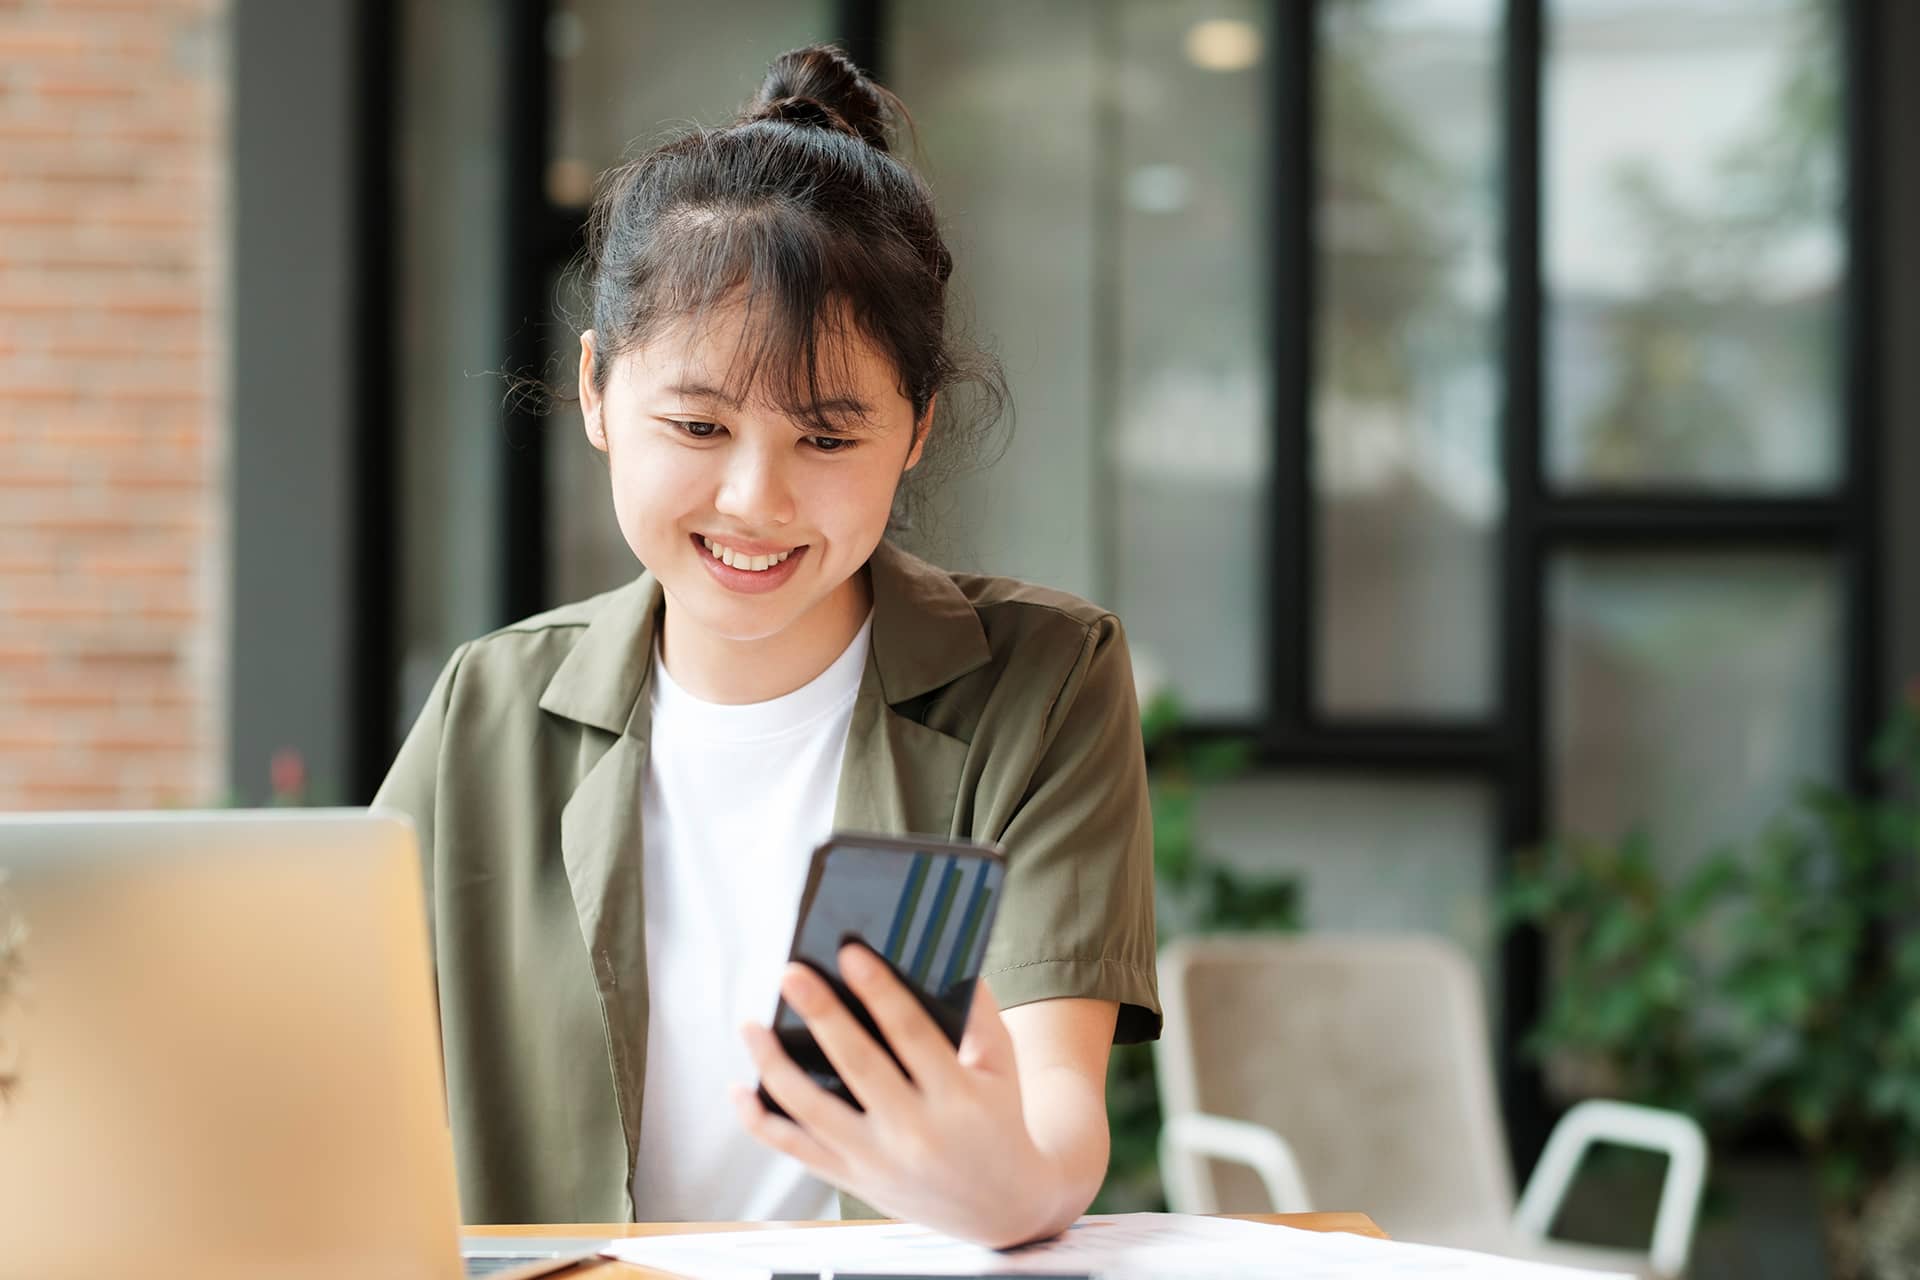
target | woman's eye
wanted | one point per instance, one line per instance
(700, 430)
(830, 444)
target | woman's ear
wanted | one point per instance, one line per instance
(590, 398)
(921, 430)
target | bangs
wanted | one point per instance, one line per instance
(780, 277)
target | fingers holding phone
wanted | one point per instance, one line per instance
(906, 1026)
(889, 1070)
(922, 911)
(865, 1058)
(949, 1148)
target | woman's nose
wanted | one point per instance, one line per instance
(754, 489)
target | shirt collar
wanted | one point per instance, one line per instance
(601, 680)
(926, 633)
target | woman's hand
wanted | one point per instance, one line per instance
(948, 1147)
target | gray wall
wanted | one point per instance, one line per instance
(292, 391)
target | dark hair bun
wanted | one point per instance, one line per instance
(820, 86)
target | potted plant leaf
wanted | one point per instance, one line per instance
(1825, 979)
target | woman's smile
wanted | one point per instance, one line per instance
(747, 567)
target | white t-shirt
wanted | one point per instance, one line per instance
(735, 799)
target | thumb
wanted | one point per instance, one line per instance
(986, 1046)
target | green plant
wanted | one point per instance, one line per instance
(1630, 969)
(1783, 985)
(1194, 892)
(1825, 977)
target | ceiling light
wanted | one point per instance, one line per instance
(1223, 44)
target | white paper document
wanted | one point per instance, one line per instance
(1113, 1246)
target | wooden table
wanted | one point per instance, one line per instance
(1357, 1223)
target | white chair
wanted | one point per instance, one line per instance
(1359, 1066)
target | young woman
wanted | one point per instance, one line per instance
(617, 800)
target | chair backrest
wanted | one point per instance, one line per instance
(1367, 1053)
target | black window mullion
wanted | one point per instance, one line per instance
(1523, 563)
(1290, 329)
(1542, 521)
(522, 459)
(1860, 329)
(375, 653)
(1709, 520)
(563, 232)
(861, 28)
(1469, 752)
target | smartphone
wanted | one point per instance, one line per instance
(925, 906)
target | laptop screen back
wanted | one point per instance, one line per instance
(222, 1034)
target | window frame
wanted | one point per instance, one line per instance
(1504, 751)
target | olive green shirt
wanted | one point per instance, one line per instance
(988, 709)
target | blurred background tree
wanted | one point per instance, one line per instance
(1692, 350)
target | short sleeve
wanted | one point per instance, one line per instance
(1077, 916)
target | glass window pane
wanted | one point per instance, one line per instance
(1189, 400)
(1108, 243)
(1002, 93)
(1371, 854)
(1406, 381)
(628, 71)
(1690, 693)
(1694, 249)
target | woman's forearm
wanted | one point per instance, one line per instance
(1069, 1127)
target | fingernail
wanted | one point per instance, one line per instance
(856, 961)
(800, 989)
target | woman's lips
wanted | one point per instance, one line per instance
(748, 581)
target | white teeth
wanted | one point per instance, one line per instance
(741, 560)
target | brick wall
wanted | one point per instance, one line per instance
(113, 232)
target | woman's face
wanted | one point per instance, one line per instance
(751, 519)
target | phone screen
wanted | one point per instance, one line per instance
(926, 907)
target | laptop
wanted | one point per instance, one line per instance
(219, 1054)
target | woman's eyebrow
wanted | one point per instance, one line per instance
(703, 391)
(848, 410)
